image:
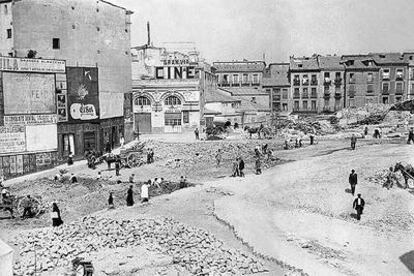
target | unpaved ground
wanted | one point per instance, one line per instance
(275, 213)
(300, 213)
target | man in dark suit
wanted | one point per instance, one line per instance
(353, 141)
(358, 205)
(353, 180)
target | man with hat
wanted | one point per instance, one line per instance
(358, 205)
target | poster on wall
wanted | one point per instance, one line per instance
(41, 138)
(61, 101)
(82, 95)
(29, 93)
(12, 139)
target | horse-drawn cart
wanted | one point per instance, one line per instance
(129, 157)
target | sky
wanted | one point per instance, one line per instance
(226, 30)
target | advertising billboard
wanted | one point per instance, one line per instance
(12, 139)
(111, 105)
(82, 95)
(32, 65)
(41, 138)
(28, 93)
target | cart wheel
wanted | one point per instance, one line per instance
(36, 205)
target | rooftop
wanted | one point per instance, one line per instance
(330, 63)
(247, 106)
(219, 95)
(244, 91)
(388, 58)
(304, 63)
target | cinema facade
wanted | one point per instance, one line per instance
(168, 90)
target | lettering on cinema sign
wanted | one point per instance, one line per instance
(175, 69)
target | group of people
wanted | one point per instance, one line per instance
(359, 202)
(238, 167)
(150, 156)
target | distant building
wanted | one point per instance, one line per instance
(305, 83)
(362, 80)
(243, 80)
(409, 58)
(332, 84)
(93, 37)
(276, 83)
(169, 89)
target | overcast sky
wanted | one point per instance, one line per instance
(237, 29)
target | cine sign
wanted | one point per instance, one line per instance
(175, 72)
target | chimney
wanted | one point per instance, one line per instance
(149, 34)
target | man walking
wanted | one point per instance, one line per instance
(236, 168)
(353, 180)
(258, 166)
(218, 157)
(130, 197)
(410, 136)
(27, 207)
(241, 167)
(117, 165)
(353, 141)
(358, 205)
(197, 133)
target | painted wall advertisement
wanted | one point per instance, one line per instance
(82, 96)
(28, 93)
(32, 65)
(12, 139)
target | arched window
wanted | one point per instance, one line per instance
(141, 100)
(172, 100)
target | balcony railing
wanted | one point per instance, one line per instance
(305, 96)
(338, 95)
(225, 84)
(314, 82)
(338, 82)
(314, 95)
(296, 95)
(399, 77)
(327, 82)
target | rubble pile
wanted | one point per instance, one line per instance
(194, 249)
(380, 177)
(307, 125)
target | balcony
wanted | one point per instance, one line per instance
(224, 83)
(386, 76)
(327, 82)
(314, 82)
(305, 95)
(296, 95)
(338, 82)
(245, 84)
(399, 77)
(305, 82)
(385, 91)
(338, 95)
(314, 95)
(296, 82)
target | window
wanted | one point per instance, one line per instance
(255, 78)
(386, 73)
(285, 94)
(172, 100)
(314, 81)
(370, 77)
(172, 122)
(305, 80)
(305, 92)
(9, 33)
(305, 105)
(253, 99)
(313, 105)
(399, 87)
(56, 43)
(296, 93)
(400, 73)
(141, 101)
(370, 88)
(326, 103)
(296, 106)
(6, 11)
(245, 79)
(236, 79)
(68, 143)
(313, 92)
(326, 89)
(337, 75)
(337, 90)
(186, 117)
(385, 100)
(285, 107)
(327, 75)
(385, 87)
(398, 99)
(351, 78)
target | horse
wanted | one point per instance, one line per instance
(258, 130)
(406, 171)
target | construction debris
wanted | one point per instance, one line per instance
(198, 251)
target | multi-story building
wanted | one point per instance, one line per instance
(243, 79)
(169, 89)
(362, 80)
(276, 82)
(332, 85)
(394, 76)
(409, 58)
(305, 80)
(93, 37)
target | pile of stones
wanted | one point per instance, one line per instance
(194, 249)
